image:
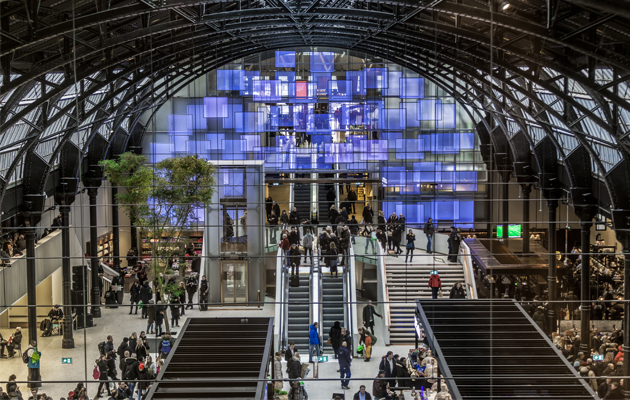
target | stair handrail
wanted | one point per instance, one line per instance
(443, 368)
(320, 280)
(469, 274)
(281, 311)
(352, 298)
(382, 293)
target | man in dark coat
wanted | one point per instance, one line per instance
(457, 292)
(388, 365)
(335, 337)
(203, 294)
(145, 295)
(352, 198)
(191, 288)
(368, 316)
(330, 199)
(454, 240)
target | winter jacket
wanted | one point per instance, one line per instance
(539, 318)
(294, 218)
(619, 356)
(273, 220)
(32, 363)
(368, 215)
(343, 356)
(150, 313)
(435, 281)
(367, 396)
(377, 387)
(277, 367)
(335, 335)
(429, 230)
(146, 293)
(144, 375)
(130, 370)
(307, 241)
(294, 366)
(285, 245)
(313, 336)
(457, 293)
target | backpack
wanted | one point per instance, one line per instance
(166, 346)
(128, 375)
(25, 357)
(371, 336)
(96, 373)
(101, 349)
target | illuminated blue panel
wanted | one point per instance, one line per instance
(355, 140)
(321, 80)
(338, 153)
(270, 155)
(199, 121)
(352, 114)
(467, 141)
(215, 107)
(228, 123)
(249, 77)
(391, 137)
(198, 147)
(393, 84)
(358, 165)
(430, 109)
(233, 150)
(246, 122)
(449, 114)
(318, 123)
(448, 177)
(180, 124)
(374, 150)
(180, 143)
(214, 141)
(285, 59)
(250, 141)
(300, 112)
(407, 149)
(270, 116)
(466, 215)
(285, 116)
(465, 181)
(428, 172)
(322, 61)
(266, 91)
(161, 151)
(373, 114)
(358, 82)
(285, 143)
(319, 142)
(340, 90)
(412, 88)
(303, 92)
(393, 176)
(304, 159)
(376, 78)
(285, 76)
(446, 210)
(445, 143)
(394, 118)
(411, 110)
(229, 79)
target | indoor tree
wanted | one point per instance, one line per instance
(162, 201)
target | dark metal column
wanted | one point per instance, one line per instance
(31, 283)
(116, 230)
(526, 189)
(626, 313)
(552, 205)
(506, 207)
(66, 273)
(96, 291)
(585, 305)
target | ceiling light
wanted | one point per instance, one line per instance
(505, 6)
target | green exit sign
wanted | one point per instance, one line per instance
(66, 360)
(322, 359)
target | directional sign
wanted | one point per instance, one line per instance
(66, 360)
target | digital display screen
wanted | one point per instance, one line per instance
(514, 231)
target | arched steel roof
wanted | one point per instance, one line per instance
(77, 76)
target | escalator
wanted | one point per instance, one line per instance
(299, 314)
(323, 205)
(333, 301)
(302, 200)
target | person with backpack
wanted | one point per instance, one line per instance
(100, 374)
(191, 288)
(366, 339)
(203, 294)
(143, 381)
(307, 243)
(134, 293)
(131, 372)
(151, 367)
(165, 346)
(146, 294)
(111, 366)
(32, 357)
(435, 283)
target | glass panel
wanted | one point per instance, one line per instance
(234, 281)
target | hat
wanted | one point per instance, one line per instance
(141, 366)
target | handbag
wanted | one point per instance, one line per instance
(329, 341)
(410, 246)
(441, 294)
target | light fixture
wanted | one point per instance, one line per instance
(505, 6)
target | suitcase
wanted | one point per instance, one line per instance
(294, 281)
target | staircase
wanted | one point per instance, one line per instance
(299, 318)
(501, 345)
(332, 293)
(302, 200)
(324, 206)
(406, 284)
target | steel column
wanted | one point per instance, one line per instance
(96, 291)
(66, 273)
(626, 319)
(31, 284)
(585, 305)
(506, 208)
(526, 190)
(116, 229)
(552, 205)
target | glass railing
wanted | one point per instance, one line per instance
(365, 247)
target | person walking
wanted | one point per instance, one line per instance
(454, 241)
(307, 243)
(362, 394)
(313, 342)
(368, 316)
(277, 371)
(103, 378)
(294, 217)
(191, 288)
(273, 225)
(345, 361)
(330, 199)
(146, 294)
(203, 294)
(134, 293)
(159, 318)
(429, 231)
(268, 206)
(332, 259)
(335, 337)
(285, 245)
(435, 283)
(34, 357)
(388, 365)
(368, 214)
(411, 245)
(370, 237)
(378, 385)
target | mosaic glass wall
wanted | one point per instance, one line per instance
(309, 111)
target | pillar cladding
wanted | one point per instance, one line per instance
(96, 290)
(31, 285)
(527, 190)
(66, 273)
(551, 277)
